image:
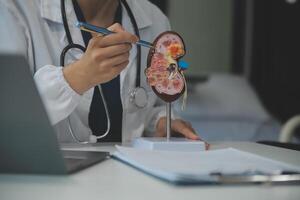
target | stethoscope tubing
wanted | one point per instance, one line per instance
(71, 45)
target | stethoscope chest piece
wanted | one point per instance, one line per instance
(138, 98)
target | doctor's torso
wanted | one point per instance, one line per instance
(40, 36)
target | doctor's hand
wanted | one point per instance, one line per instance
(104, 59)
(178, 126)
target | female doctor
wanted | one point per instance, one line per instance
(71, 94)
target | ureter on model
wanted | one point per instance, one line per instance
(184, 99)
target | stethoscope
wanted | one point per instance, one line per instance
(138, 97)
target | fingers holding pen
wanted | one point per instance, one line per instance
(104, 59)
(108, 68)
(116, 65)
(114, 44)
(115, 61)
(115, 50)
(116, 27)
(119, 37)
(116, 70)
(110, 56)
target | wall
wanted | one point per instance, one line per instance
(206, 28)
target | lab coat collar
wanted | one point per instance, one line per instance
(50, 10)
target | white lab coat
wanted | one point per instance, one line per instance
(34, 29)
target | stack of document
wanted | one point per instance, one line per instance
(200, 167)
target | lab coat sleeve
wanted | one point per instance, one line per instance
(159, 108)
(58, 97)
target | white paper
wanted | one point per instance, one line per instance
(197, 166)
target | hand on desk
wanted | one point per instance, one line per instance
(178, 126)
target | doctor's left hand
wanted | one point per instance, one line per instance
(178, 126)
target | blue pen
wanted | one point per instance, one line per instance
(95, 29)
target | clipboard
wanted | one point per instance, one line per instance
(259, 179)
(267, 171)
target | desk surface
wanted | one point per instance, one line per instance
(114, 180)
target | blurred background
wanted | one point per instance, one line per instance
(244, 57)
(244, 65)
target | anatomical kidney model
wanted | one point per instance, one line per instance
(163, 73)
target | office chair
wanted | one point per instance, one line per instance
(287, 134)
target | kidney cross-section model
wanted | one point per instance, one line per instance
(163, 73)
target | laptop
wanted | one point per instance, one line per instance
(28, 142)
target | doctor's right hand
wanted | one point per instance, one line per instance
(104, 59)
